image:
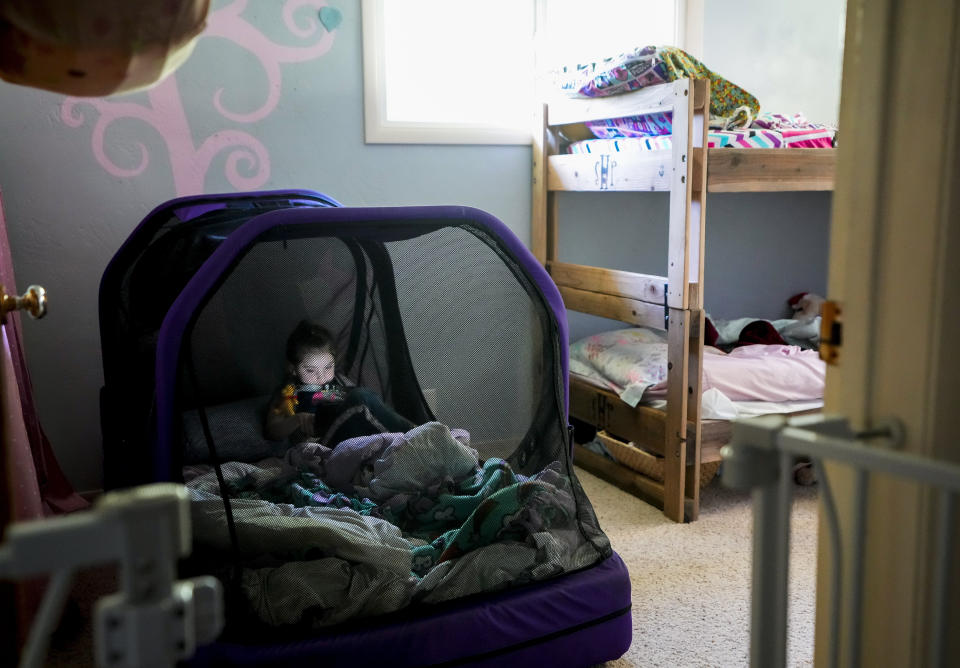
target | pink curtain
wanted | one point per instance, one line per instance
(38, 485)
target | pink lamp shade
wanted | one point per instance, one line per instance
(98, 48)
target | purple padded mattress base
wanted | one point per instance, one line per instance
(579, 619)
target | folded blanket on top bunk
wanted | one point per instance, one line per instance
(633, 363)
(382, 521)
(735, 118)
(652, 65)
(652, 133)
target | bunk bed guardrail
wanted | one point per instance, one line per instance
(761, 456)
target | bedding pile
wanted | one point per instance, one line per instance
(380, 522)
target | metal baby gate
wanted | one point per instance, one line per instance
(761, 456)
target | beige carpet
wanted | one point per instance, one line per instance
(690, 583)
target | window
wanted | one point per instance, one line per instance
(464, 71)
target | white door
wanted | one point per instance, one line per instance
(895, 272)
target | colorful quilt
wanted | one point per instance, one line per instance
(625, 135)
(648, 125)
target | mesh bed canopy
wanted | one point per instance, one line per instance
(437, 314)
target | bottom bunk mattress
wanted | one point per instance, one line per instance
(761, 378)
(405, 549)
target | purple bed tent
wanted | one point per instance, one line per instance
(463, 540)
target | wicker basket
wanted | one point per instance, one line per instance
(647, 463)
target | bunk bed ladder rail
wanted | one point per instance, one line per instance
(761, 457)
(629, 297)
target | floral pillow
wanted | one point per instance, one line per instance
(628, 361)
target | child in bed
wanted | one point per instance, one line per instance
(317, 404)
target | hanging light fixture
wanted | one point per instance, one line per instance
(98, 48)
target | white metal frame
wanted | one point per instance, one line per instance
(154, 619)
(761, 456)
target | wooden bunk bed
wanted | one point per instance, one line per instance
(677, 436)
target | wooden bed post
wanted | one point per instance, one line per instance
(675, 451)
(696, 221)
(685, 297)
(543, 224)
(694, 428)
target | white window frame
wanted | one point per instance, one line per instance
(380, 130)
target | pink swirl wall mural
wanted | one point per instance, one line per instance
(247, 163)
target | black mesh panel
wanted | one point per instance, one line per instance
(441, 329)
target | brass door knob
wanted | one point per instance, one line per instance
(33, 301)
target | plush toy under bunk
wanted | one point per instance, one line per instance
(368, 407)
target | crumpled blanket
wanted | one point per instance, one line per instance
(380, 521)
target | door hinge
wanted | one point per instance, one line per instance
(831, 332)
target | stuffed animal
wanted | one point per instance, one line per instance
(806, 306)
(289, 404)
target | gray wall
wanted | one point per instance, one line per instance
(761, 248)
(71, 200)
(786, 54)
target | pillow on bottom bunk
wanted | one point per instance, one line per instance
(633, 363)
(628, 361)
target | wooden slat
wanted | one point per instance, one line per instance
(701, 94)
(605, 410)
(728, 170)
(675, 445)
(626, 310)
(626, 479)
(543, 142)
(694, 408)
(710, 452)
(699, 174)
(643, 425)
(770, 170)
(647, 100)
(644, 287)
(644, 171)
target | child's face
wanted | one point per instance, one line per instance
(316, 368)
